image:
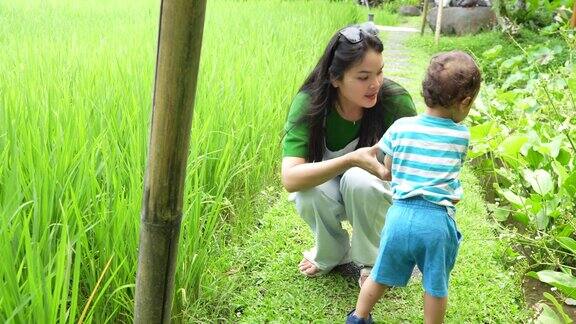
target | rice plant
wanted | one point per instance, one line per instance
(75, 101)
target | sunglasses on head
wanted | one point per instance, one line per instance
(354, 34)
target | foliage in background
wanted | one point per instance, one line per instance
(532, 14)
(394, 5)
(524, 134)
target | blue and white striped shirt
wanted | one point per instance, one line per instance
(427, 154)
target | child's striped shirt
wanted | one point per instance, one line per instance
(427, 154)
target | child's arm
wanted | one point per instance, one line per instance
(388, 166)
(385, 145)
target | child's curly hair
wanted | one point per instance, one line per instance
(450, 78)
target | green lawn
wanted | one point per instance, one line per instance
(262, 282)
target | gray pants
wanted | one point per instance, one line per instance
(356, 196)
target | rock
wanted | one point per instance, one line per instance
(409, 11)
(470, 3)
(461, 21)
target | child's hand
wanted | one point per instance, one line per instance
(366, 158)
(388, 166)
(387, 175)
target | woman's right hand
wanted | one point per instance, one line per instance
(367, 159)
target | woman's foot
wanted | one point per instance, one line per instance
(308, 268)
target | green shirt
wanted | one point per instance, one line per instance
(339, 131)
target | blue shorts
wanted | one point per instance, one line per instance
(417, 232)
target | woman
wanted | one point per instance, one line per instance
(329, 156)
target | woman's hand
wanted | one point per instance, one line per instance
(297, 174)
(366, 158)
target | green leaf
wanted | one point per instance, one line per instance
(528, 104)
(564, 282)
(514, 79)
(511, 63)
(522, 218)
(570, 184)
(515, 200)
(552, 206)
(541, 219)
(547, 316)
(572, 84)
(512, 144)
(559, 309)
(477, 150)
(501, 214)
(492, 53)
(534, 158)
(560, 171)
(565, 230)
(542, 56)
(567, 243)
(553, 147)
(507, 97)
(540, 180)
(564, 156)
(482, 132)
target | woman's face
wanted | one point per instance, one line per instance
(360, 84)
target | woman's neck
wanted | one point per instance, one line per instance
(348, 111)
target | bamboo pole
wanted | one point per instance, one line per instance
(573, 20)
(424, 13)
(178, 55)
(438, 22)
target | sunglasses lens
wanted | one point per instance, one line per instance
(353, 34)
(369, 27)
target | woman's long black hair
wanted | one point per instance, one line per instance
(338, 57)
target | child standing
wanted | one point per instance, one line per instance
(424, 155)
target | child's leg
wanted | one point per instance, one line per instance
(369, 294)
(434, 309)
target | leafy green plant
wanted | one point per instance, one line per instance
(548, 315)
(533, 13)
(523, 134)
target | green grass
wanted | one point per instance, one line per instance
(262, 282)
(75, 104)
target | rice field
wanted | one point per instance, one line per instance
(76, 81)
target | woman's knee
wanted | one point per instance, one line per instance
(358, 180)
(307, 201)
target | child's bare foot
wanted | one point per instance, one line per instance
(308, 268)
